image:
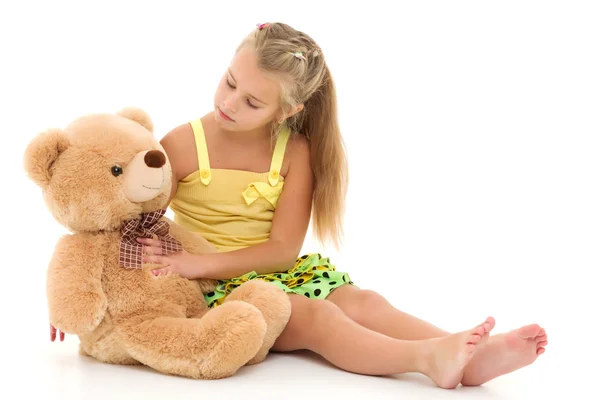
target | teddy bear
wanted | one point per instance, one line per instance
(107, 179)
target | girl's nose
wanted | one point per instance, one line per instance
(230, 103)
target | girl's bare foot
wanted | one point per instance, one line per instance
(448, 356)
(505, 353)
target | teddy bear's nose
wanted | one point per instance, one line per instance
(155, 159)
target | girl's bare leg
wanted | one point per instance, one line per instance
(322, 327)
(373, 311)
(500, 355)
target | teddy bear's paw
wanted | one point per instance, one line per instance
(78, 317)
(273, 303)
(260, 356)
(241, 332)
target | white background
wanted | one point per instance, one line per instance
(472, 131)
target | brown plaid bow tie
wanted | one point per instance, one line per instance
(150, 226)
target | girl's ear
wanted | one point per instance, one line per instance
(299, 108)
(291, 111)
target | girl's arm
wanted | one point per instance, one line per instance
(290, 221)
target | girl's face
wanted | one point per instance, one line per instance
(246, 99)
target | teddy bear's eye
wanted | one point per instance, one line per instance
(116, 170)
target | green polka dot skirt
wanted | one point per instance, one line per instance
(312, 276)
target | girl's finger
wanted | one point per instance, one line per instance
(155, 259)
(148, 241)
(161, 271)
(152, 250)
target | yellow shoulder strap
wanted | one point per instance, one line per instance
(203, 161)
(278, 154)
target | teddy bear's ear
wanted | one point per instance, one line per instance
(42, 152)
(138, 115)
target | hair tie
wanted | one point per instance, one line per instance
(298, 55)
(262, 26)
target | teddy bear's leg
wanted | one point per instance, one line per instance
(105, 345)
(274, 305)
(212, 347)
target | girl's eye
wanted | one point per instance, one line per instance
(233, 87)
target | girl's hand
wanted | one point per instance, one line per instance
(182, 263)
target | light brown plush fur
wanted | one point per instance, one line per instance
(93, 177)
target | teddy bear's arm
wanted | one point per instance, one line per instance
(74, 287)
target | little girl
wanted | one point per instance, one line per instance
(249, 175)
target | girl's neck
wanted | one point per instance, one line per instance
(245, 137)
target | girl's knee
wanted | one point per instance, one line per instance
(360, 304)
(369, 299)
(311, 315)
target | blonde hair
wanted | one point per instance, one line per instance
(298, 62)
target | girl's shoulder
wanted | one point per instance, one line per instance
(297, 153)
(180, 145)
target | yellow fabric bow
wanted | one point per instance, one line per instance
(256, 190)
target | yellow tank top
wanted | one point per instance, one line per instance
(232, 209)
